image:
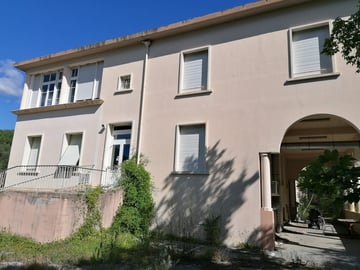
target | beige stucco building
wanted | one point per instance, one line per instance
(226, 108)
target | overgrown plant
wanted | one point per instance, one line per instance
(137, 211)
(92, 224)
(212, 229)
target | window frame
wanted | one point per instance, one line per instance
(195, 90)
(27, 153)
(96, 81)
(303, 28)
(177, 166)
(119, 88)
(67, 142)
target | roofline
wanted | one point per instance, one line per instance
(196, 23)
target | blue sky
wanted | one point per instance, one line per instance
(36, 28)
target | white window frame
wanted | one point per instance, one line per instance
(120, 87)
(27, 152)
(182, 89)
(66, 144)
(202, 166)
(96, 81)
(56, 91)
(314, 73)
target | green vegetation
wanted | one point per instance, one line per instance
(92, 224)
(5, 145)
(212, 229)
(137, 211)
(331, 180)
(345, 39)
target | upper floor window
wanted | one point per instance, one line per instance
(85, 82)
(45, 89)
(306, 46)
(124, 83)
(190, 149)
(194, 71)
(51, 88)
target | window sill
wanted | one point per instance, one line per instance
(121, 92)
(66, 106)
(332, 75)
(193, 93)
(190, 173)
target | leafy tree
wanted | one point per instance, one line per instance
(5, 145)
(345, 38)
(333, 179)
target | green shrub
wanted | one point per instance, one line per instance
(137, 211)
(92, 223)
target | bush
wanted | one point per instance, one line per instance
(137, 211)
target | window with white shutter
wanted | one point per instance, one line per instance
(32, 152)
(195, 71)
(71, 154)
(306, 47)
(190, 156)
(88, 81)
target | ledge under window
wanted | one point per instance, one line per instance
(190, 173)
(66, 106)
(193, 93)
(332, 75)
(121, 92)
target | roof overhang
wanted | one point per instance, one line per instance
(197, 23)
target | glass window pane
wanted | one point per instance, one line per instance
(126, 152)
(115, 156)
(52, 76)
(46, 78)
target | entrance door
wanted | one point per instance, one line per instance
(120, 147)
(118, 152)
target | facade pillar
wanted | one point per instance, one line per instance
(266, 181)
(267, 214)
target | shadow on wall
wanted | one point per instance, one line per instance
(190, 199)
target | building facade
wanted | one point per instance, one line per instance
(227, 109)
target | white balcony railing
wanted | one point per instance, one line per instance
(54, 177)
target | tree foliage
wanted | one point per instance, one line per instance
(137, 211)
(345, 38)
(333, 178)
(5, 145)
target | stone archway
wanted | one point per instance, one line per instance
(303, 142)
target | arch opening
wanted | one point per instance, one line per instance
(302, 143)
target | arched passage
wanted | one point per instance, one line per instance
(303, 142)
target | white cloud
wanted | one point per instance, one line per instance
(11, 79)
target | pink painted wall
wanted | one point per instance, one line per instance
(46, 216)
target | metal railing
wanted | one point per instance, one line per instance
(54, 177)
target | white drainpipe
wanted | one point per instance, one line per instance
(147, 44)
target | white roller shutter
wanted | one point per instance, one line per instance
(34, 93)
(306, 52)
(34, 150)
(86, 80)
(71, 154)
(195, 70)
(191, 149)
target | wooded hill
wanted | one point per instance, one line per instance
(5, 145)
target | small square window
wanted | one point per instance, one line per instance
(124, 83)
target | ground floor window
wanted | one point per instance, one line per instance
(32, 152)
(190, 149)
